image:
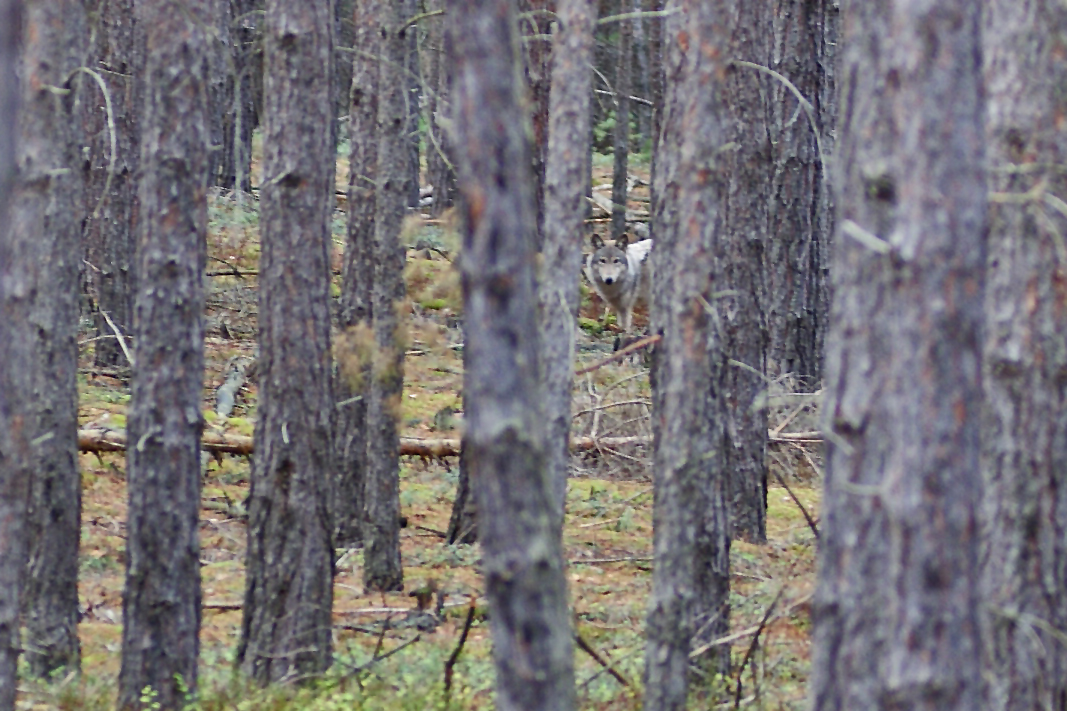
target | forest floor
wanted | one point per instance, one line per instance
(382, 660)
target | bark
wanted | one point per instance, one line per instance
(1025, 425)
(382, 569)
(345, 32)
(161, 600)
(621, 146)
(801, 216)
(642, 76)
(895, 614)
(286, 631)
(656, 82)
(357, 279)
(18, 274)
(505, 437)
(220, 87)
(690, 586)
(463, 523)
(568, 176)
(111, 190)
(47, 217)
(740, 252)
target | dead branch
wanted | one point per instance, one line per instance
(585, 647)
(620, 354)
(452, 658)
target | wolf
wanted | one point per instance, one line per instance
(620, 273)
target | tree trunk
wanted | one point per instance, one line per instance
(354, 344)
(161, 600)
(220, 87)
(895, 616)
(740, 249)
(242, 118)
(47, 216)
(111, 191)
(286, 632)
(382, 569)
(412, 77)
(505, 440)
(691, 579)
(801, 215)
(623, 89)
(568, 175)
(345, 33)
(439, 171)
(1025, 426)
(537, 55)
(463, 523)
(18, 274)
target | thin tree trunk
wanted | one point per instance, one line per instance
(691, 579)
(247, 63)
(1025, 426)
(740, 250)
(623, 89)
(896, 609)
(382, 569)
(286, 631)
(568, 174)
(111, 191)
(17, 273)
(439, 171)
(801, 216)
(47, 214)
(519, 530)
(161, 600)
(354, 343)
(537, 53)
(412, 77)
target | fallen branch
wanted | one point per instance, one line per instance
(452, 658)
(620, 354)
(585, 647)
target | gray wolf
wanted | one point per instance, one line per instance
(620, 273)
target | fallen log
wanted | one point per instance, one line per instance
(100, 440)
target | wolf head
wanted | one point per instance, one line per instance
(609, 264)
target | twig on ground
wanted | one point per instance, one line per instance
(804, 511)
(454, 657)
(620, 354)
(585, 647)
(752, 645)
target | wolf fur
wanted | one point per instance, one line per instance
(621, 274)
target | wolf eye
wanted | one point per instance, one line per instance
(603, 261)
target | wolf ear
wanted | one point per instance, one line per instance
(597, 240)
(623, 240)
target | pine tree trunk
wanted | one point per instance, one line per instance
(621, 146)
(412, 76)
(382, 569)
(896, 609)
(242, 118)
(439, 172)
(537, 55)
(801, 217)
(740, 251)
(161, 600)
(568, 175)
(17, 274)
(1025, 426)
(505, 439)
(111, 193)
(691, 579)
(357, 280)
(47, 215)
(286, 631)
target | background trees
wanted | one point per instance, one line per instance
(896, 608)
